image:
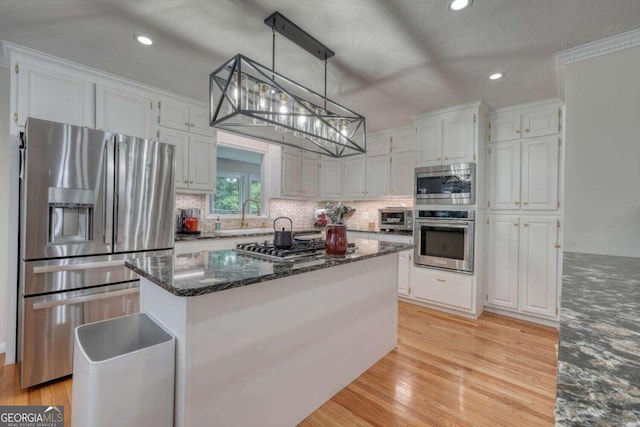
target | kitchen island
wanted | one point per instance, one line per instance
(599, 352)
(266, 343)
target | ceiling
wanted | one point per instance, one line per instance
(394, 58)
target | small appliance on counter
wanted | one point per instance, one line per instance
(396, 218)
(188, 221)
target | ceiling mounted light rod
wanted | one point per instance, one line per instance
(249, 99)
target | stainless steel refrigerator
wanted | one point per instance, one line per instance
(88, 201)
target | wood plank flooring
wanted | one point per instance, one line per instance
(446, 371)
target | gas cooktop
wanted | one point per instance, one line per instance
(300, 249)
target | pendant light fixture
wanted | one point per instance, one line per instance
(250, 99)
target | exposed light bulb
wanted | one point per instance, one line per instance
(496, 76)
(457, 5)
(142, 39)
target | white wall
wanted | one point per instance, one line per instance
(602, 163)
(4, 198)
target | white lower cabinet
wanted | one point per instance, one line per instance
(404, 271)
(522, 264)
(442, 288)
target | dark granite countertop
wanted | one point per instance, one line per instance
(599, 351)
(234, 234)
(391, 233)
(213, 271)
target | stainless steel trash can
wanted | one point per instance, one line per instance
(123, 373)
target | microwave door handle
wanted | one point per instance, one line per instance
(440, 224)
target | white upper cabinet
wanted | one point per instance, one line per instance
(291, 173)
(540, 163)
(378, 144)
(49, 94)
(195, 160)
(525, 122)
(353, 177)
(309, 167)
(430, 143)
(299, 173)
(377, 176)
(402, 174)
(331, 178)
(450, 136)
(524, 171)
(504, 175)
(505, 127)
(541, 122)
(458, 132)
(184, 117)
(403, 140)
(125, 112)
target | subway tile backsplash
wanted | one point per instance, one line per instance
(300, 212)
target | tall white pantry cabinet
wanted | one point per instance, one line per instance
(524, 210)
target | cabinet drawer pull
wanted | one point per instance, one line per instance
(441, 280)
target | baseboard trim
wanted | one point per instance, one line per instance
(438, 307)
(520, 316)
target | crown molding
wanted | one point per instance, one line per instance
(4, 55)
(592, 50)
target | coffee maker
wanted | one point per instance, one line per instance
(188, 221)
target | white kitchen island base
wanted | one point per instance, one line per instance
(270, 353)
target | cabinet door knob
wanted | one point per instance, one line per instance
(515, 223)
(517, 203)
(518, 131)
(186, 123)
(526, 130)
(191, 124)
(438, 158)
(190, 182)
(525, 203)
(446, 158)
(526, 224)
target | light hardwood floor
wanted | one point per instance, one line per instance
(446, 371)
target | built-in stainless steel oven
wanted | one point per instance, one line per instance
(446, 184)
(444, 239)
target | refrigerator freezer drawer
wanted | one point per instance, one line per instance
(49, 321)
(67, 274)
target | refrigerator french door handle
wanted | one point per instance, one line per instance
(121, 181)
(87, 298)
(107, 209)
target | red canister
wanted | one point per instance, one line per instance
(336, 243)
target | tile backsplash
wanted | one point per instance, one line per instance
(300, 212)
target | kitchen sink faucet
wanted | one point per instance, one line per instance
(243, 223)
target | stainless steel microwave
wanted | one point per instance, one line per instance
(446, 184)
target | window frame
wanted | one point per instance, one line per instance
(242, 143)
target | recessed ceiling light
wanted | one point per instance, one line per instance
(457, 5)
(142, 39)
(496, 76)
